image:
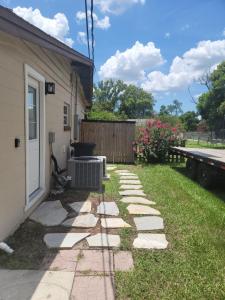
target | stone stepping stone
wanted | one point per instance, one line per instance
(123, 261)
(135, 209)
(108, 208)
(114, 223)
(137, 200)
(131, 187)
(148, 223)
(128, 177)
(104, 240)
(132, 193)
(129, 181)
(63, 240)
(49, 213)
(127, 174)
(150, 241)
(93, 288)
(110, 168)
(81, 207)
(121, 171)
(35, 284)
(83, 221)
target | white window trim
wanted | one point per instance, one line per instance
(30, 72)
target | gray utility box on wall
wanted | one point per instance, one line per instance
(76, 133)
(86, 173)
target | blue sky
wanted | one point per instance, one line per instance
(178, 41)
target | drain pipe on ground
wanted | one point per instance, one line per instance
(6, 248)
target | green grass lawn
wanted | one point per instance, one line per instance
(202, 144)
(193, 267)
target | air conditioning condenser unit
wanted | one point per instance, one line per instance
(86, 173)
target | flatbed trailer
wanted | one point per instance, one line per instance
(205, 165)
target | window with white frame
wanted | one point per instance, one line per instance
(66, 116)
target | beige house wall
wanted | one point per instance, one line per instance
(14, 54)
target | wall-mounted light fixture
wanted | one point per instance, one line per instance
(49, 88)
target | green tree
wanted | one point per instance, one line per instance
(103, 115)
(136, 103)
(171, 120)
(177, 107)
(190, 120)
(107, 95)
(172, 109)
(121, 99)
(210, 104)
(163, 110)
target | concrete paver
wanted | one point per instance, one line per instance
(92, 261)
(63, 260)
(93, 288)
(35, 285)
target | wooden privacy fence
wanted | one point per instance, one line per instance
(113, 139)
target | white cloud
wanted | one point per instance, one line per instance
(58, 26)
(167, 35)
(82, 37)
(132, 64)
(116, 6)
(188, 68)
(103, 23)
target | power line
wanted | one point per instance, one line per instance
(87, 29)
(92, 32)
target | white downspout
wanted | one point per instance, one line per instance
(6, 248)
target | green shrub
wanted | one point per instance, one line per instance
(154, 141)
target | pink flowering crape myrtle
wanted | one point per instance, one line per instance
(154, 140)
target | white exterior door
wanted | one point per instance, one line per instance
(33, 103)
(35, 136)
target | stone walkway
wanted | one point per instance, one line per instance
(85, 263)
(148, 220)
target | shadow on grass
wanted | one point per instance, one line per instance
(219, 188)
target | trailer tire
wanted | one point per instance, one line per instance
(206, 176)
(192, 166)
